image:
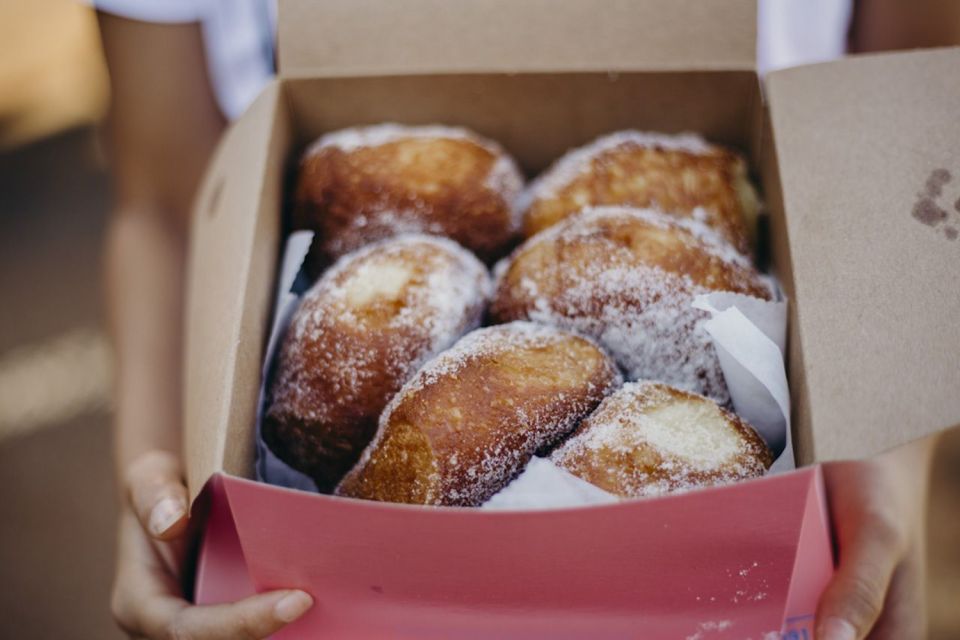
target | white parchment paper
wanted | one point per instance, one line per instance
(544, 485)
(269, 468)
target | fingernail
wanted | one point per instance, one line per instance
(836, 629)
(292, 606)
(165, 514)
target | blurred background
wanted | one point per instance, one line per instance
(57, 533)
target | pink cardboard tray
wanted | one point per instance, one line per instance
(743, 561)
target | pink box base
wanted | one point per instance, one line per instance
(743, 561)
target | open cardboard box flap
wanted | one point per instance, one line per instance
(339, 38)
(232, 262)
(859, 143)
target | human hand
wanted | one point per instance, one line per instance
(878, 508)
(147, 599)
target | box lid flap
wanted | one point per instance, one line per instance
(386, 37)
(230, 277)
(870, 171)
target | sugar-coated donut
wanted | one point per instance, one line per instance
(361, 332)
(360, 185)
(627, 277)
(648, 439)
(472, 417)
(682, 175)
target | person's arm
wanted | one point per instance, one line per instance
(163, 126)
(886, 25)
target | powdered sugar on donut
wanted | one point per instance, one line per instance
(381, 209)
(470, 476)
(649, 440)
(354, 138)
(650, 331)
(504, 177)
(622, 422)
(379, 225)
(639, 312)
(483, 343)
(577, 161)
(440, 295)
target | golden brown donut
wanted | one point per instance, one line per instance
(648, 439)
(361, 331)
(682, 175)
(627, 277)
(360, 185)
(471, 418)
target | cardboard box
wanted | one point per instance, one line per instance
(854, 159)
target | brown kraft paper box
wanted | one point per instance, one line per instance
(859, 165)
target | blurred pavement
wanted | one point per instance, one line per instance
(56, 476)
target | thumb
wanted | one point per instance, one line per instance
(157, 494)
(853, 600)
(253, 618)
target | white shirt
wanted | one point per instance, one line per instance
(795, 32)
(239, 37)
